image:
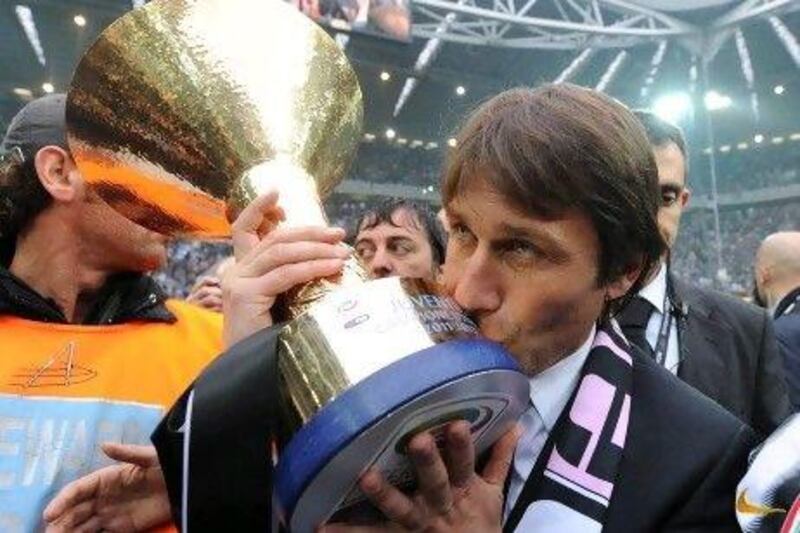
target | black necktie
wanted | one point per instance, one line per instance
(633, 320)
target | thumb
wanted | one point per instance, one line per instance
(496, 470)
(143, 456)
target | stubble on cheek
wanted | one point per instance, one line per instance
(547, 339)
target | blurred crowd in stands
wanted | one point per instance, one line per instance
(188, 260)
(757, 167)
(742, 228)
(382, 163)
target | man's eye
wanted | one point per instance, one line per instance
(364, 253)
(521, 248)
(401, 249)
(668, 197)
(459, 231)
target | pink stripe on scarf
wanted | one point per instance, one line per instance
(604, 339)
(589, 411)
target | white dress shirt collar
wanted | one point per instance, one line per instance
(655, 291)
(550, 392)
(552, 388)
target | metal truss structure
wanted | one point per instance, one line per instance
(570, 24)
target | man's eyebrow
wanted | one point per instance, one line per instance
(514, 232)
(364, 240)
(400, 238)
(451, 212)
(545, 240)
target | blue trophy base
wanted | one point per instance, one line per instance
(370, 424)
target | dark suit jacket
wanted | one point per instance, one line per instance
(729, 353)
(680, 469)
(230, 469)
(683, 458)
(787, 331)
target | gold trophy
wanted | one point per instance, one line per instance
(181, 113)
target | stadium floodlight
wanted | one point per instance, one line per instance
(673, 107)
(577, 65)
(787, 38)
(611, 72)
(742, 146)
(758, 138)
(21, 91)
(716, 102)
(451, 142)
(795, 136)
(460, 90)
(48, 87)
(725, 149)
(402, 140)
(779, 89)
(390, 134)
(385, 76)
(25, 17)
(778, 140)
(79, 20)
(747, 71)
(369, 137)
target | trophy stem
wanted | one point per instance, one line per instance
(299, 199)
(297, 191)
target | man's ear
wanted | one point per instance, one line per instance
(620, 287)
(57, 173)
(763, 276)
(686, 195)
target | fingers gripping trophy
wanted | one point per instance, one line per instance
(182, 113)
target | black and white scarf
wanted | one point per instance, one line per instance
(572, 483)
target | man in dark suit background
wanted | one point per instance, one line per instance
(777, 277)
(720, 345)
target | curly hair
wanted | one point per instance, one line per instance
(425, 220)
(22, 199)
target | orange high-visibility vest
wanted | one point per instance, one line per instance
(65, 389)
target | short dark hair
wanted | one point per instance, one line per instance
(561, 147)
(661, 132)
(22, 199)
(430, 225)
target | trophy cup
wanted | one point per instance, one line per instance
(181, 113)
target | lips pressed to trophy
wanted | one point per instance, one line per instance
(184, 111)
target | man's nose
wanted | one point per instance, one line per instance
(476, 288)
(381, 265)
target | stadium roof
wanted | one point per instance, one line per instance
(681, 5)
(489, 45)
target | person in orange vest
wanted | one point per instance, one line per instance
(92, 350)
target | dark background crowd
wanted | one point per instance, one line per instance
(774, 168)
